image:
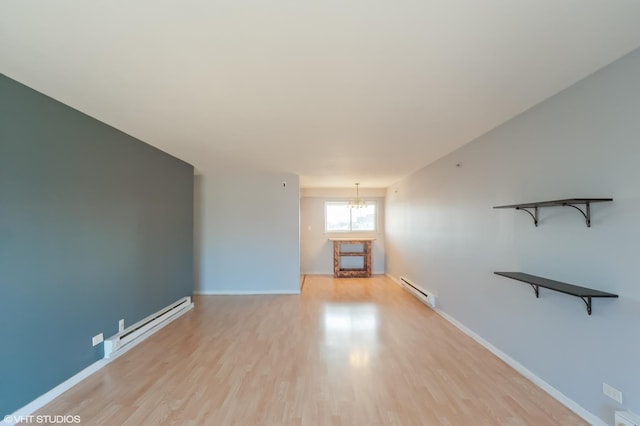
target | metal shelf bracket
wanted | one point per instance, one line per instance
(534, 215)
(587, 301)
(532, 208)
(584, 293)
(586, 214)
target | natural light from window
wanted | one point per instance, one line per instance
(340, 218)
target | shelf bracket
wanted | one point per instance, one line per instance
(533, 215)
(587, 301)
(536, 289)
(587, 214)
(584, 293)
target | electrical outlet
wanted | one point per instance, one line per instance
(612, 393)
(121, 325)
(97, 339)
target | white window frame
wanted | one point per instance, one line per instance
(351, 230)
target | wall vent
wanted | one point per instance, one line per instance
(427, 297)
(146, 326)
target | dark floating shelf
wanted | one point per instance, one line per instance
(586, 294)
(569, 202)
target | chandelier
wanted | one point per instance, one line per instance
(358, 203)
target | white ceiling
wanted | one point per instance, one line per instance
(335, 91)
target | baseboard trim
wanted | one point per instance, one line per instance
(22, 413)
(555, 393)
(245, 293)
(394, 279)
(28, 410)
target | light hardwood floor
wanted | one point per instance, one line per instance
(344, 352)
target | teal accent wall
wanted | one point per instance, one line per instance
(95, 226)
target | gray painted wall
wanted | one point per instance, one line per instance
(316, 251)
(443, 233)
(95, 226)
(248, 240)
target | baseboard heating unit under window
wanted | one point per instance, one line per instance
(425, 296)
(146, 326)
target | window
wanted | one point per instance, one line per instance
(338, 217)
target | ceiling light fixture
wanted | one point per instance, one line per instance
(358, 203)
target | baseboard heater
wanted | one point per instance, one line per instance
(425, 296)
(146, 326)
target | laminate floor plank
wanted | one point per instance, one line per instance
(353, 351)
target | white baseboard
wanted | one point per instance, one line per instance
(555, 393)
(44, 399)
(394, 279)
(244, 293)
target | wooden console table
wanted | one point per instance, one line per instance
(362, 249)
